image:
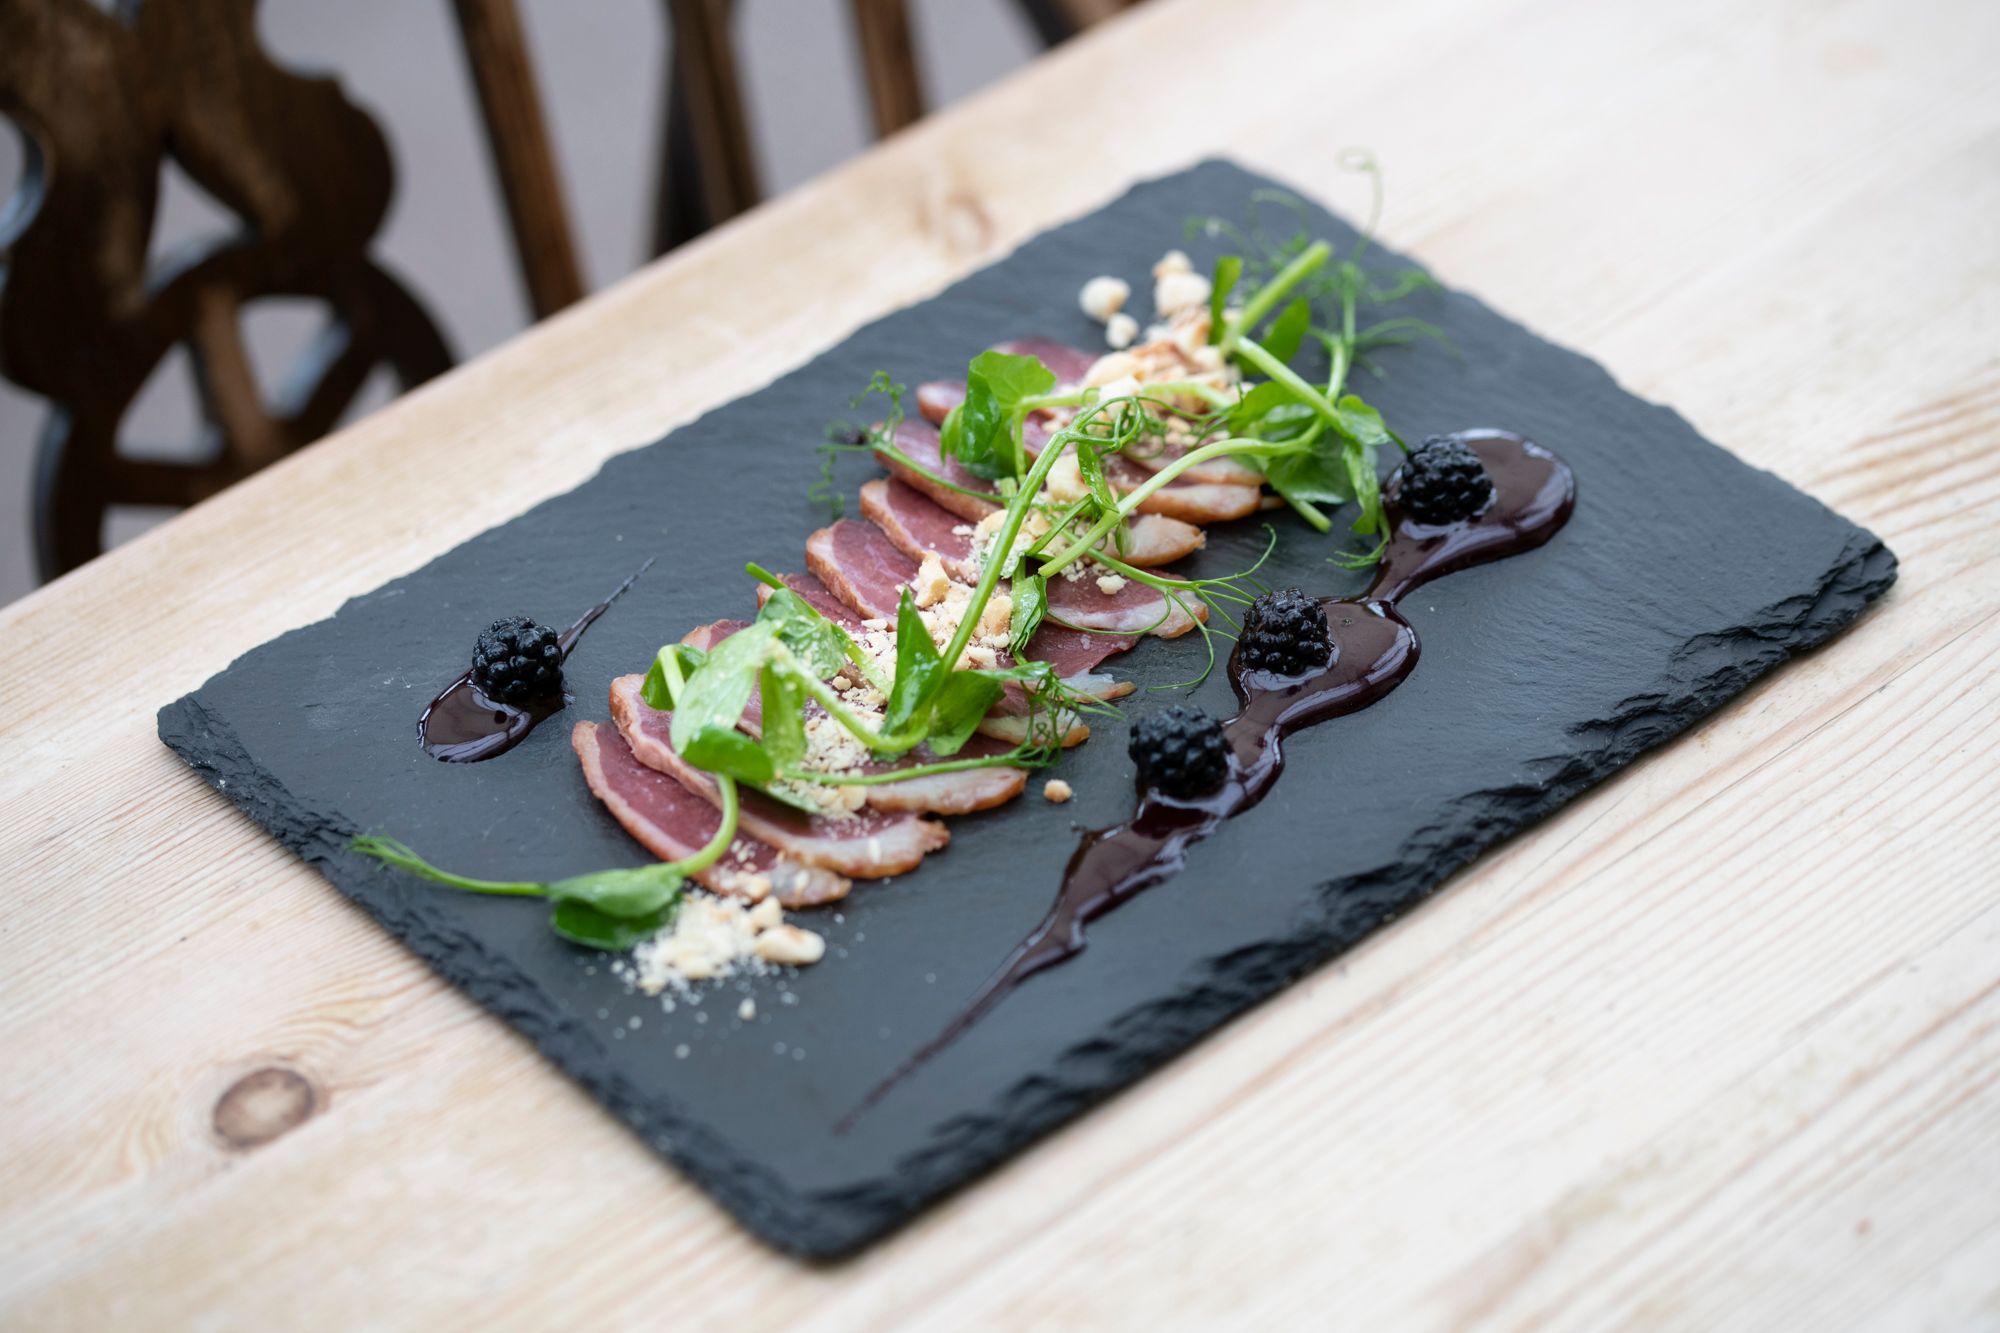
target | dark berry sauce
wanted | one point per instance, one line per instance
(1375, 650)
(463, 725)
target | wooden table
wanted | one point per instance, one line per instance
(1717, 1046)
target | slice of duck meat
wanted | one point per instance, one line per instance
(672, 823)
(818, 596)
(863, 568)
(955, 793)
(857, 563)
(1072, 367)
(1150, 539)
(917, 528)
(868, 844)
(936, 398)
(1188, 500)
(1114, 604)
(1070, 364)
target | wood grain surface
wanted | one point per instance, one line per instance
(1718, 1046)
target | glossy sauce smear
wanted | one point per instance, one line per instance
(1374, 650)
(462, 725)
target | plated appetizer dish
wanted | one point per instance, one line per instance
(944, 647)
(1185, 596)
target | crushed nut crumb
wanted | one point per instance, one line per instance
(789, 946)
(1103, 296)
(710, 938)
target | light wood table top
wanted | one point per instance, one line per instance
(1717, 1046)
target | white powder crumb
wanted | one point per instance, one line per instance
(1056, 791)
(747, 1010)
(1103, 296)
(710, 938)
(1120, 330)
(1110, 584)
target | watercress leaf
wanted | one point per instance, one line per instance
(962, 700)
(1228, 269)
(630, 892)
(818, 643)
(580, 923)
(1253, 407)
(1030, 596)
(716, 692)
(979, 432)
(974, 433)
(658, 688)
(1011, 378)
(1288, 330)
(728, 751)
(918, 670)
(1367, 487)
(784, 703)
(1287, 421)
(1362, 423)
(1317, 475)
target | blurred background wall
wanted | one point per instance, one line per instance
(602, 67)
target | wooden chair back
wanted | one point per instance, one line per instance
(103, 101)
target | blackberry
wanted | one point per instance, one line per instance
(1285, 634)
(1180, 751)
(517, 660)
(1443, 482)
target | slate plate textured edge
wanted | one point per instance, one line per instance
(1705, 674)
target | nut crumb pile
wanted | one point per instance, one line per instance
(711, 937)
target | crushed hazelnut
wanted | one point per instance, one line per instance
(1175, 292)
(1103, 296)
(931, 583)
(1112, 366)
(1120, 330)
(790, 946)
(1056, 791)
(994, 619)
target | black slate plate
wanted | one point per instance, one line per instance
(1683, 577)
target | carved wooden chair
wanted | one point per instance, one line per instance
(707, 174)
(105, 100)
(102, 101)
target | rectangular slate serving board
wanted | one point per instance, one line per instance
(1683, 577)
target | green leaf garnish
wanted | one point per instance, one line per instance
(783, 708)
(1030, 596)
(919, 670)
(963, 700)
(983, 432)
(1228, 270)
(1288, 330)
(580, 923)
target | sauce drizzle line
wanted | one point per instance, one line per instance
(1374, 650)
(462, 725)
